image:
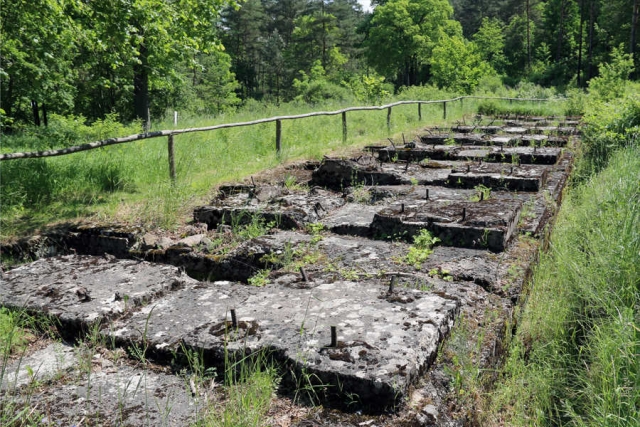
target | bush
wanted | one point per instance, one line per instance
(609, 126)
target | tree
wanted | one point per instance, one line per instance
(489, 42)
(148, 38)
(458, 65)
(36, 55)
(560, 31)
(215, 85)
(402, 35)
(243, 39)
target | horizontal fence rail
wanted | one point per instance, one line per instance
(278, 119)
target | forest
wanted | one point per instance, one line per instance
(132, 58)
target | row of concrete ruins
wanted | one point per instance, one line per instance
(339, 306)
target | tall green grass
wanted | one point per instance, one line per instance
(575, 359)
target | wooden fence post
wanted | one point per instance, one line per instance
(278, 137)
(419, 111)
(444, 110)
(389, 120)
(344, 127)
(461, 103)
(172, 163)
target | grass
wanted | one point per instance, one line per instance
(130, 182)
(14, 337)
(575, 359)
(249, 387)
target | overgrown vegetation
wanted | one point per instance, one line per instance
(249, 386)
(574, 359)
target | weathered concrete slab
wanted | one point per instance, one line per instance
(118, 396)
(80, 290)
(43, 366)
(500, 154)
(490, 129)
(384, 340)
(352, 219)
(336, 258)
(492, 175)
(292, 210)
(92, 239)
(342, 173)
(456, 138)
(487, 224)
(237, 264)
(515, 130)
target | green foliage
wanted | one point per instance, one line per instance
(609, 126)
(482, 193)
(12, 334)
(316, 88)
(422, 246)
(37, 51)
(489, 43)
(402, 35)
(611, 83)
(207, 88)
(457, 65)
(369, 88)
(249, 384)
(576, 347)
(260, 279)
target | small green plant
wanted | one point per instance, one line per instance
(441, 273)
(315, 229)
(249, 225)
(260, 279)
(450, 141)
(482, 193)
(421, 248)
(349, 274)
(291, 183)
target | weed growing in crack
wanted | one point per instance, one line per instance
(291, 183)
(481, 193)
(260, 279)
(441, 274)
(421, 249)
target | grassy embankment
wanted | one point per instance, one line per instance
(130, 183)
(575, 359)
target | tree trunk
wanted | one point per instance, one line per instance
(592, 19)
(560, 31)
(141, 87)
(580, 43)
(528, 38)
(36, 113)
(634, 28)
(324, 37)
(45, 119)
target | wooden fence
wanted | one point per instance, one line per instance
(171, 133)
